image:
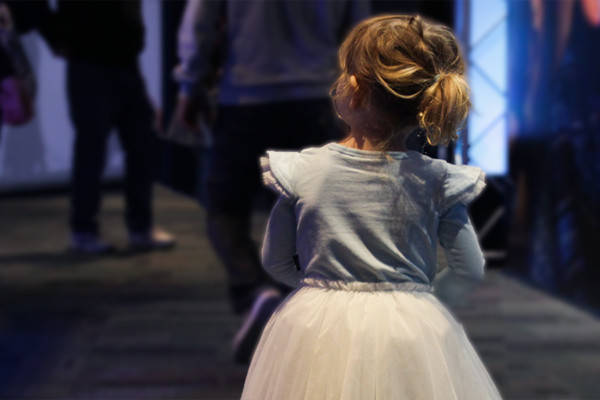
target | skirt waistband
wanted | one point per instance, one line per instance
(367, 286)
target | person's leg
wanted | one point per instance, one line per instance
(136, 125)
(91, 111)
(232, 180)
(242, 134)
(136, 131)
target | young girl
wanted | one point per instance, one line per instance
(364, 217)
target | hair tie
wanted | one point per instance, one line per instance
(437, 78)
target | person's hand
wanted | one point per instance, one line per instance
(190, 109)
(158, 119)
(157, 112)
(15, 101)
(61, 51)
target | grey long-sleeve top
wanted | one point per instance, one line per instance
(353, 215)
(271, 50)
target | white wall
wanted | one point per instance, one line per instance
(38, 155)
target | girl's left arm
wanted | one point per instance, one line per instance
(465, 260)
(279, 247)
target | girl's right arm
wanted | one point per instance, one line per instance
(463, 254)
(279, 247)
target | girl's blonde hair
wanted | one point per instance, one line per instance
(410, 72)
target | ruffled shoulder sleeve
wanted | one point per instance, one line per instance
(462, 184)
(278, 172)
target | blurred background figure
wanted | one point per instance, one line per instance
(16, 79)
(15, 101)
(106, 90)
(274, 62)
(555, 145)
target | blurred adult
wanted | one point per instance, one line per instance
(101, 41)
(275, 62)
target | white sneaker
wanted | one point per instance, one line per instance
(155, 239)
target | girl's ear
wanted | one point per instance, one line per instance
(357, 93)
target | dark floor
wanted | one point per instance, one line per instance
(158, 326)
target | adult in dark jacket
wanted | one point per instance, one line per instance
(101, 41)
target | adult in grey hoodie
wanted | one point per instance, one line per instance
(274, 62)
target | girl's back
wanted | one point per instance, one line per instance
(364, 323)
(365, 216)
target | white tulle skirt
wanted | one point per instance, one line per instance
(331, 340)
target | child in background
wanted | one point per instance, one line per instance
(362, 218)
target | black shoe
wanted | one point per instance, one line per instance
(89, 243)
(247, 337)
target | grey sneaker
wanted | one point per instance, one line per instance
(155, 239)
(89, 243)
(247, 337)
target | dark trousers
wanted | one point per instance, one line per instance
(233, 179)
(102, 98)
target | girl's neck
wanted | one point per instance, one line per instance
(364, 143)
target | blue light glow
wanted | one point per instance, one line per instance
(484, 41)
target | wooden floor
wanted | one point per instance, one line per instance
(158, 325)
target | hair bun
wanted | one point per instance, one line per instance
(410, 71)
(444, 107)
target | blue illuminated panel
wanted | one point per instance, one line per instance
(482, 28)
